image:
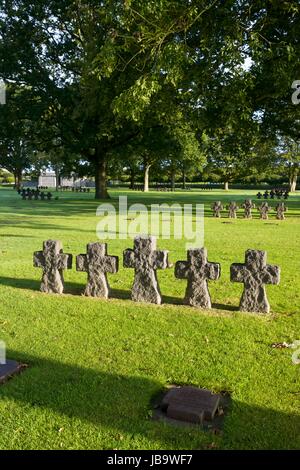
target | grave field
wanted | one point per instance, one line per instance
(94, 366)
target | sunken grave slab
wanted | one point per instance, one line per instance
(8, 370)
(190, 404)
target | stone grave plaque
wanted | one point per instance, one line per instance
(190, 404)
(9, 369)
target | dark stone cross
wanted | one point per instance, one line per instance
(53, 261)
(248, 206)
(217, 207)
(97, 264)
(254, 274)
(232, 208)
(280, 210)
(197, 270)
(145, 260)
(264, 209)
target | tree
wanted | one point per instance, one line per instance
(96, 67)
(16, 149)
(288, 160)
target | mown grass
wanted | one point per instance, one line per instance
(95, 365)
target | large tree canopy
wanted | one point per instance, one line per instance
(97, 69)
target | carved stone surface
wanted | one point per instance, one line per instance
(97, 263)
(190, 404)
(264, 210)
(254, 274)
(53, 261)
(232, 210)
(280, 210)
(217, 207)
(145, 260)
(248, 206)
(197, 270)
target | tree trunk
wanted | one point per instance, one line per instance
(226, 186)
(146, 177)
(57, 182)
(293, 183)
(101, 176)
(173, 180)
(132, 179)
(18, 179)
(183, 179)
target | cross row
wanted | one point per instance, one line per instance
(145, 259)
(264, 209)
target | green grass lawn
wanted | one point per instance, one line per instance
(95, 365)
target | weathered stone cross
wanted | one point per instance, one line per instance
(145, 260)
(280, 210)
(248, 206)
(264, 209)
(254, 274)
(232, 208)
(97, 264)
(53, 261)
(217, 207)
(197, 270)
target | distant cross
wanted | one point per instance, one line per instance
(280, 209)
(248, 206)
(53, 261)
(254, 274)
(97, 264)
(197, 270)
(264, 209)
(232, 208)
(145, 260)
(217, 207)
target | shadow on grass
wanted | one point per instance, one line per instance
(102, 398)
(10, 235)
(73, 288)
(34, 284)
(231, 308)
(122, 403)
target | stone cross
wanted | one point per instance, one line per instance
(254, 274)
(248, 206)
(232, 208)
(53, 261)
(145, 260)
(280, 209)
(217, 207)
(197, 270)
(264, 208)
(97, 264)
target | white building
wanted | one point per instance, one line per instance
(47, 179)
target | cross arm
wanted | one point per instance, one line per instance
(271, 275)
(237, 272)
(81, 263)
(213, 271)
(129, 258)
(65, 261)
(112, 264)
(38, 259)
(160, 259)
(182, 269)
